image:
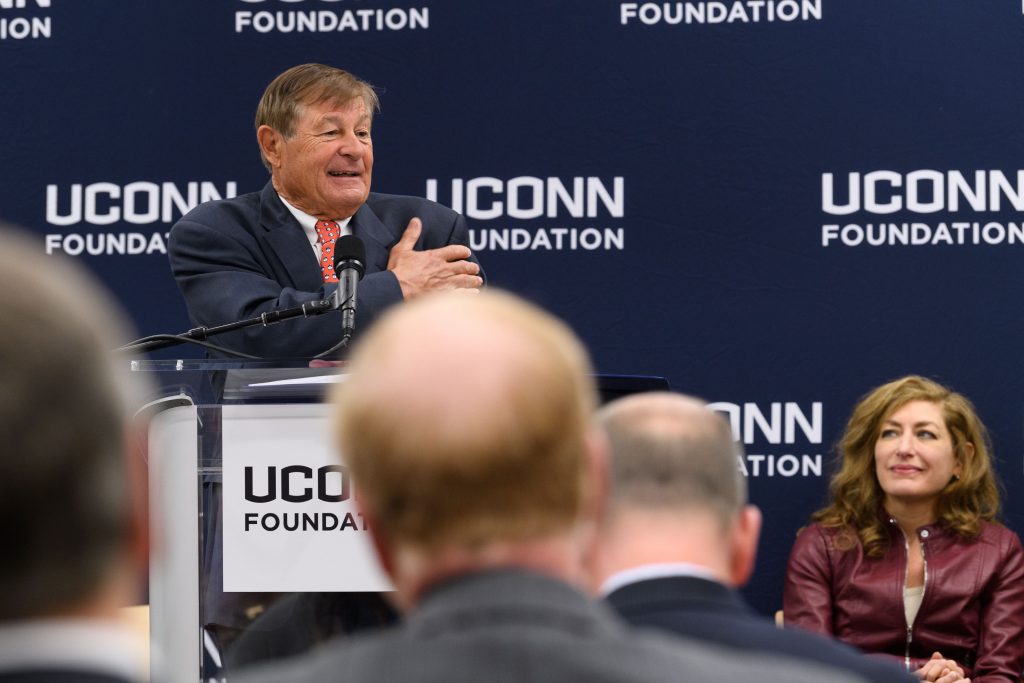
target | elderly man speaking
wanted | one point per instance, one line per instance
(270, 250)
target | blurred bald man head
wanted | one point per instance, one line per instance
(467, 423)
(677, 495)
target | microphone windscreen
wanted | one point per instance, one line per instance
(349, 248)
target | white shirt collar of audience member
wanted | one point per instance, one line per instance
(654, 571)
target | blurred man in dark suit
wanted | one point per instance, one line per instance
(467, 425)
(71, 498)
(678, 537)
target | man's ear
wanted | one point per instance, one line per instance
(380, 545)
(270, 142)
(743, 546)
(598, 475)
(595, 506)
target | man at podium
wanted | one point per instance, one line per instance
(270, 250)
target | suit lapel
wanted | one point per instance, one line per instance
(289, 242)
(376, 237)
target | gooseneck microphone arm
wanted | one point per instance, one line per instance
(198, 335)
(349, 257)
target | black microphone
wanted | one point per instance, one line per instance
(349, 257)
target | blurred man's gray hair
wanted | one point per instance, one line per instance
(65, 498)
(672, 451)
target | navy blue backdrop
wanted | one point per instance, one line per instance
(777, 204)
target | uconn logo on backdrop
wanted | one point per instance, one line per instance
(139, 203)
(270, 17)
(24, 22)
(768, 427)
(533, 213)
(925, 207)
(297, 485)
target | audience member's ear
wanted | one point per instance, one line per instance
(595, 507)
(598, 475)
(399, 564)
(136, 467)
(746, 532)
(381, 548)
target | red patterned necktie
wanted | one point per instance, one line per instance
(328, 233)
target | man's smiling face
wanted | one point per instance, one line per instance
(324, 167)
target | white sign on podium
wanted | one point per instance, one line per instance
(290, 521)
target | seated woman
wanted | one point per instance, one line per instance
(907, 559)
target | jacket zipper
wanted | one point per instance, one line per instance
(924, 589)
(903, 596)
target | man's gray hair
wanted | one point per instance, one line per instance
(64, 492)
(671, 451)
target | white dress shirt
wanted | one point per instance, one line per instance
(308, 222)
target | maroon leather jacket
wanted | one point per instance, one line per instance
(972, 610)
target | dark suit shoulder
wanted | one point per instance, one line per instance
(441, 225)
(709, 612)
(245, 207)
(399, 209)
(403, 201)
(538, 656)
(58, 676)
(538, 648)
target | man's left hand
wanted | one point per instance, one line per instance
(419, 272)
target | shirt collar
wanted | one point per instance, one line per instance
(660, 570)
(307, 221)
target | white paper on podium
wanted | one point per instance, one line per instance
(303, 381)
(285, 546)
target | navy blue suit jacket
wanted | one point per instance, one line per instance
(708, 611)
(58, 676)
(237, 258)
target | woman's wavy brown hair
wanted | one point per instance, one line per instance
(855, 494)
